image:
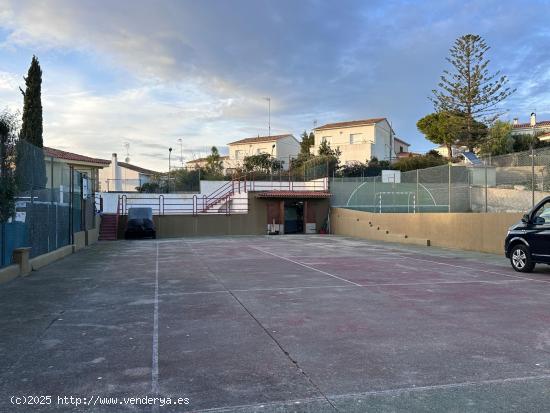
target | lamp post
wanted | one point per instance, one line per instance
(169, 166)
(272, 147)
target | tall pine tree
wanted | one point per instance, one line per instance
(470, 88)
(31, 168)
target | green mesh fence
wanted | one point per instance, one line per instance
(53, 201)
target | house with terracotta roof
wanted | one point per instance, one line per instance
(541, 128)
(58, 160)
(281, 147)
(360, 140)
(123, 176)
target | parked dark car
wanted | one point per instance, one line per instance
(528, 241)
(140, 224)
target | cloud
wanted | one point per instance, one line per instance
(200, 70)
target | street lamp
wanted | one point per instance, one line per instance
(169, 166)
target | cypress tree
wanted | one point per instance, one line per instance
(31, 128)
(31, 168)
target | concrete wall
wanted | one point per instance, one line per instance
(252, 223)
(465, 231)
(79, 240)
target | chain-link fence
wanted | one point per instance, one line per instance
(53, 201)
(507, 183)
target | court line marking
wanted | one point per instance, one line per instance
(265, 329)
(397, 391)
(401, 251)
(504, 282)
(258, 289)
(441, 386)
(306, 266)
(155, 364)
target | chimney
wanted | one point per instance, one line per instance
(516, 122)
(533, 121)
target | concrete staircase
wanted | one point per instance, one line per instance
(108, 228)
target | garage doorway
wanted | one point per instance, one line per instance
(294, 217)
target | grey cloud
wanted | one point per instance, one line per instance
(317, 60)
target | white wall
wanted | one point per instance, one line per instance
(175, 201)
(286, 149)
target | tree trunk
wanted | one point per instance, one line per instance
(449, 150)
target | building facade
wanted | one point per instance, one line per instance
(58, 174)
(123, 177)
(361, 140)
(541, 129)
(281, 147)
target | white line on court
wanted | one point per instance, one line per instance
(306, 266)
(441, 386)
(450, 265)
(397, 391)
(155, 364)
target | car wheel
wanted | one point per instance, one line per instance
(520, 257)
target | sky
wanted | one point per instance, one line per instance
(149, 73)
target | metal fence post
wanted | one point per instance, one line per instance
(486, 187)
(470, 189)
(449, 173)
(417, 188)
(532, 176)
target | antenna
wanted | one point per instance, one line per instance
(127, 147)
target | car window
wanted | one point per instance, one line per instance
(542, 215)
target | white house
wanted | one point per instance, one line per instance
(542, 128)
(123, 176)
(57, 160)
(281, 147)
(360, 140)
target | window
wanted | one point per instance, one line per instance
(326, 139)
(401, 149)
(355, 138)
(261, 150)
(542, 215)
(239, 154)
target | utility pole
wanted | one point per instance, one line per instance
(391, 140)
(181, 151)
(269, 115)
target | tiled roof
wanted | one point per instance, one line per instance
(136, 168)
(528, 125)
(350, 123)
(69, 156)
(293, 194)
(259, 139)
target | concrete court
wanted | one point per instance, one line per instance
(277, 324)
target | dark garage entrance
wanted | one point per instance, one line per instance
(294, 217)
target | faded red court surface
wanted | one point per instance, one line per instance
(276, 324)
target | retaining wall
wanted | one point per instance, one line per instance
(483, 232)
